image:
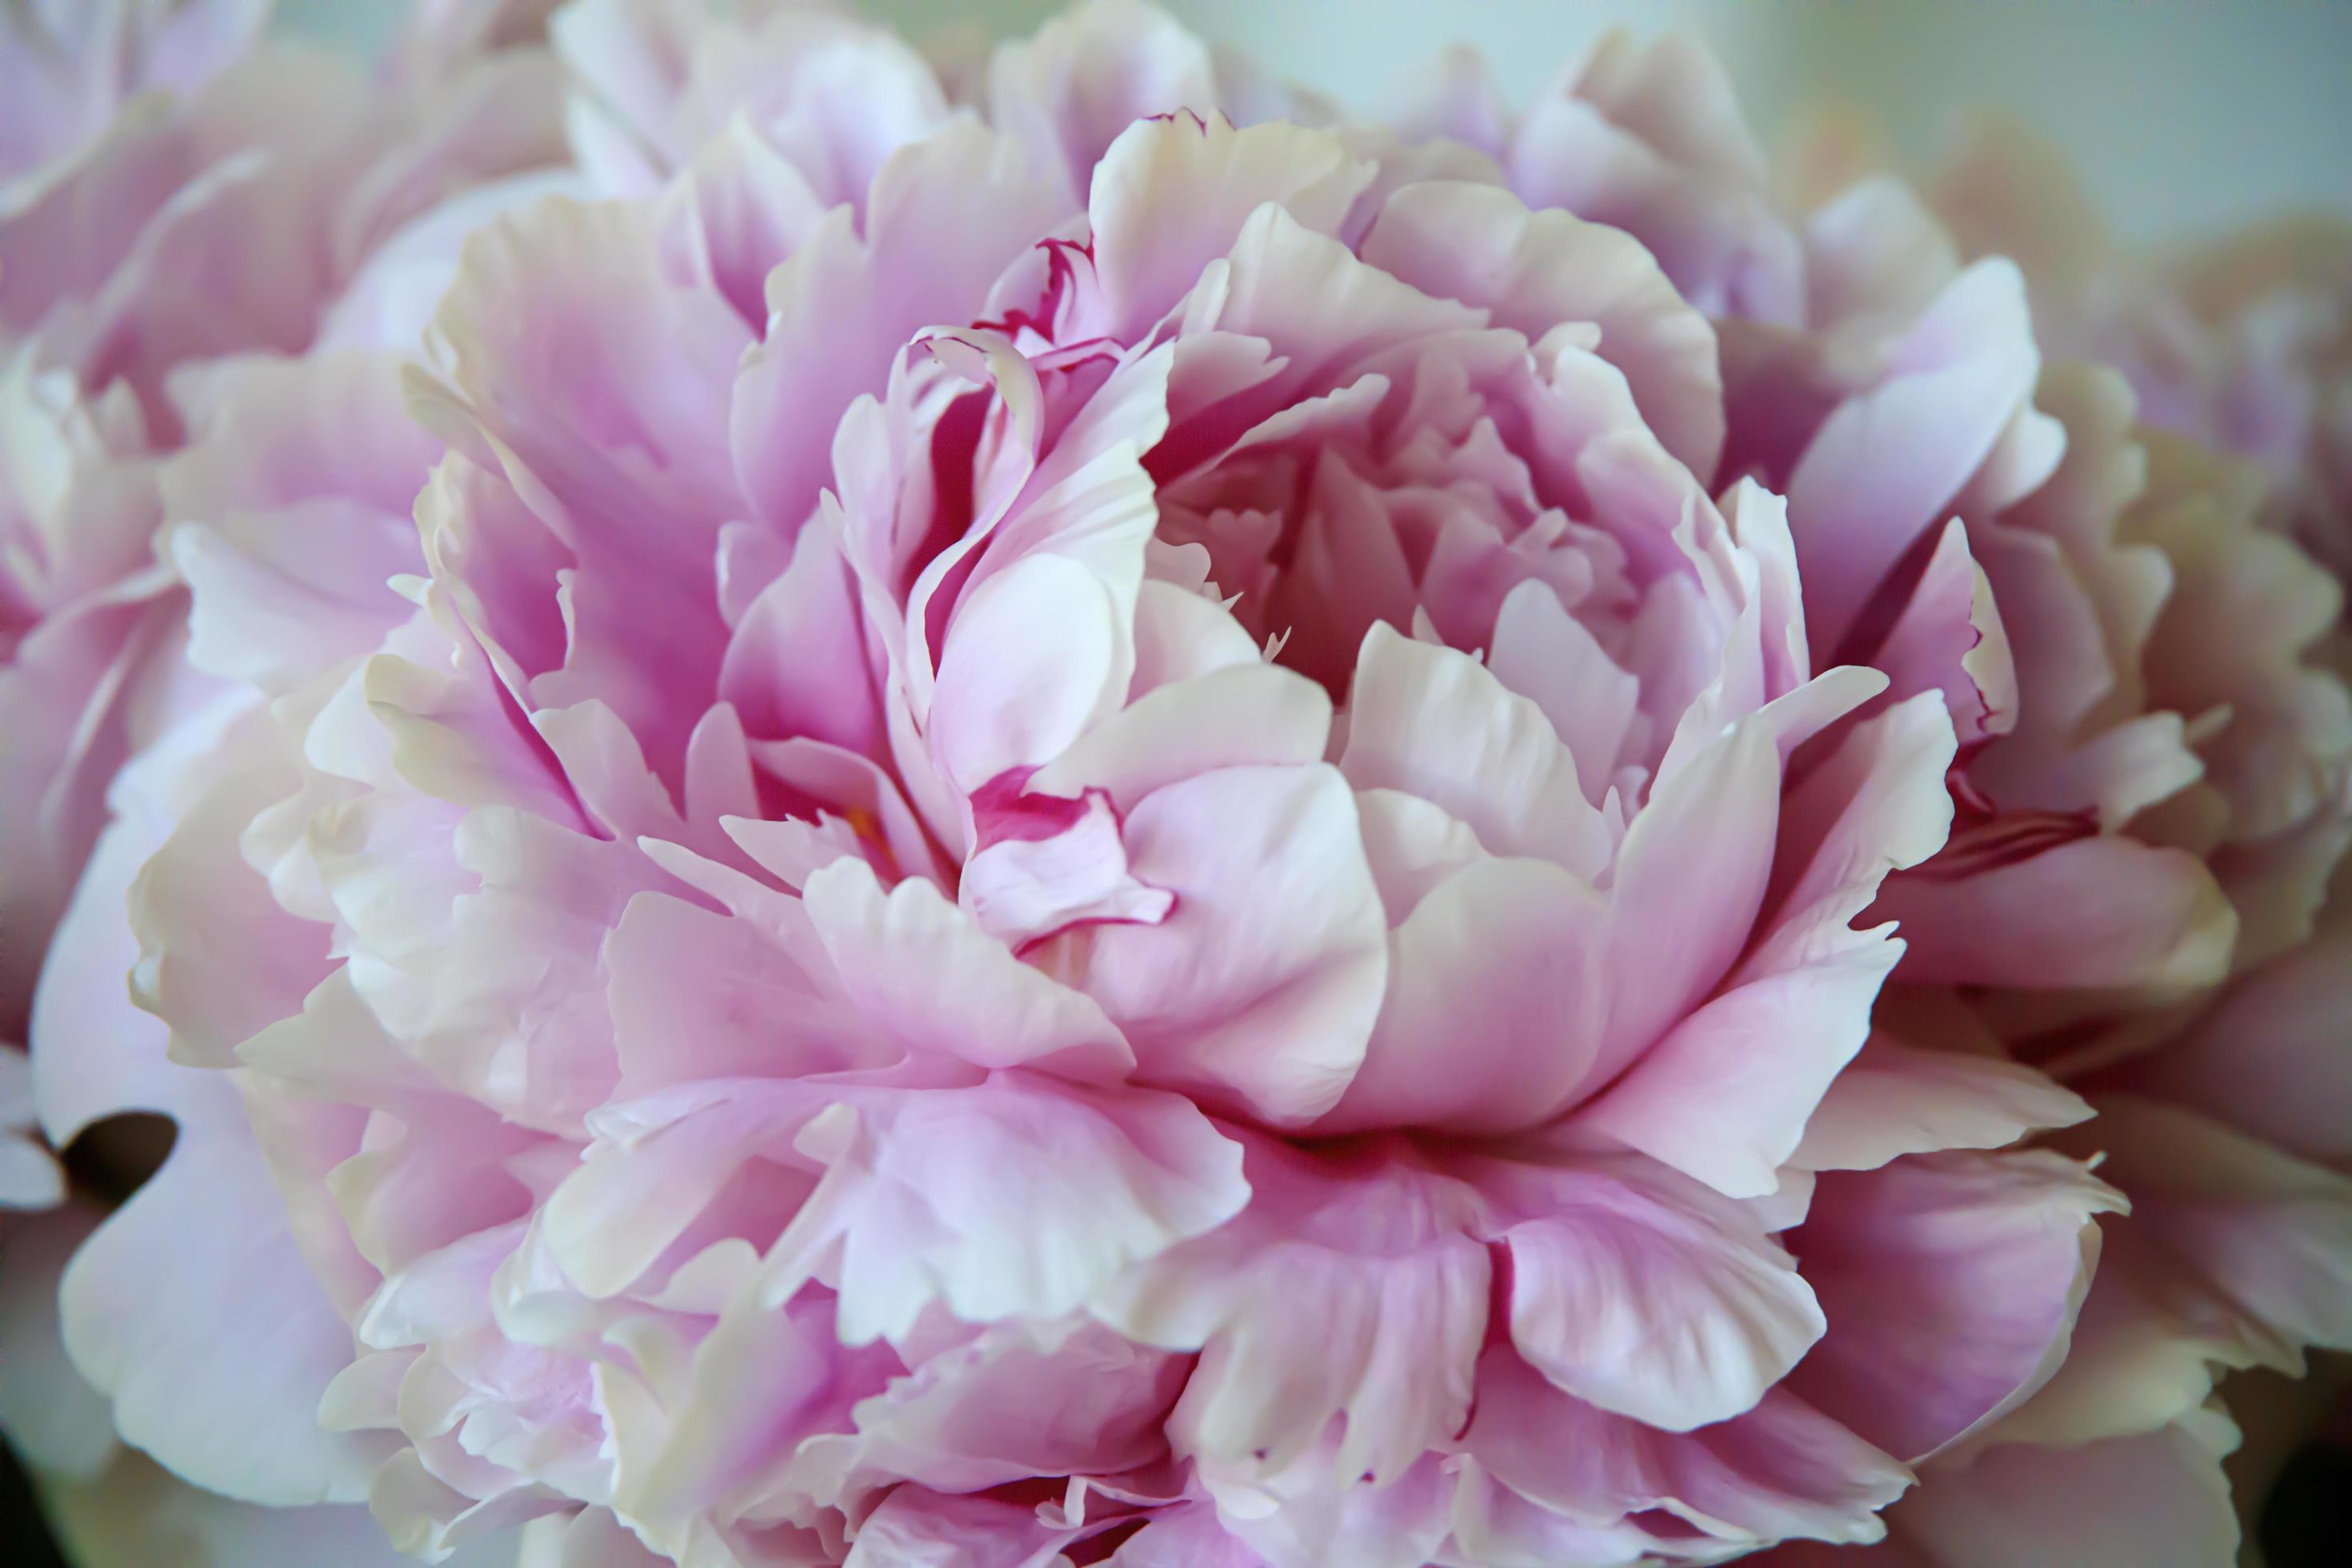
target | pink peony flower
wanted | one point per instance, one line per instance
(1145, 876)
(1069, 817)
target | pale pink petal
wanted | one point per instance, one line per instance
(1649, 137)
(1298, 1518)
(1063, 867)
(1894, 1099)
(1727, 1094)
(797, 664)
(1435, 723)
(934, 1196)
(942, 1530)
(1781, 1470)
(592, 1538)
(1749, 1101)
(1506, 957)
(1233, 715)
(535, 368)
(1349, 1287)
(1546, 655)
(1949, 638)
(1171, 195)
(764, 1383)
(2098, 911)
(1644, 1294)
(834, 95)
(1012, 1402)
(1255, 991)
(658, 1166)
(923, 971)
(1887, 464)
(209, 986)
(1951, 1282)
(220, 1378)
(629, 58)
(2150, 1344)
(2271, 1233)
(943, 219)
(1713, 819)
(1069, 91)
(740, 209)
(2160, 1499)
(2269, 1058)
(290, 511)
(1032, 658)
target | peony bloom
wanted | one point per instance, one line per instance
(1073, 834)
(1065, 816)
(2151, 770)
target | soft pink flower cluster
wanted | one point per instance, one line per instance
(954, 816)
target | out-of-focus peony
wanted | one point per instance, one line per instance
(1078, 835)
(2242, 344)
(71, 69)
(178, 201)
(1647, 137)
(2151, 773)
(81, 629)
(183, 200)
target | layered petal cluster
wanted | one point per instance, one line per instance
(82, 636)
(2151, 778)
(175, 195)
(180, 203)
(1076, 832)
(70, 70)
